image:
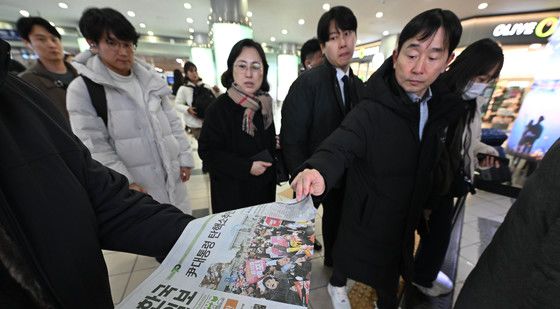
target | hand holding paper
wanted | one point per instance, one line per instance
(310, 181)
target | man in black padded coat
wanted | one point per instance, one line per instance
(59, 208)
(318, 102)
(387, 146)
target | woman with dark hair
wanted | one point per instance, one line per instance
(477, 67)
(192, 86)
(119, 108)
(178, 81)
(238, 136)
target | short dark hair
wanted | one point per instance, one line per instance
(309, 48)
(479, 58)
(177, 76)
(343, 18)
(24, 26)
(95, 22)
(427, 23)
(227, 77)
(188, 66)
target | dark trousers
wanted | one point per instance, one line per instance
(434, 241)
(332, 213)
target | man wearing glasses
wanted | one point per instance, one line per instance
(119, 108)
(51, 74)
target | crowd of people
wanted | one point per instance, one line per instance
(384, 158)
(274, 263)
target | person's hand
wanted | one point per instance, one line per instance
(488, 162)
(278, 142)
(259, 167)
(192, 111)
(136, 187)
(216, 89)
(185, 173)
(310, 181)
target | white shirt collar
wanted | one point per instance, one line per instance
(340, 74)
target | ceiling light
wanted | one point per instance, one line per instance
(142, 25)
(179, 60)
(24, 13)
(62, 5)
(379, 14)
(187, 6)
(482, 6)
(358, 42)
(131, 13)
(284, 31)
(52, 24)
(60, 30)
(191, 37)
(385, 32)
(250, 24)
(263, 44)
(172, 41)
(191, 30)
(326, 6)
(150, 33)
(272, 39)
(301, 21)
(190, 20)
(249, 13)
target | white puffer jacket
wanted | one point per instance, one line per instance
(145, 141)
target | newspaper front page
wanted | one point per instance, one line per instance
(252, 258)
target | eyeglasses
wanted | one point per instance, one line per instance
(116, 45)
(254, 67)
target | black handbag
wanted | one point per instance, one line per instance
(461, 184)
(500, 172)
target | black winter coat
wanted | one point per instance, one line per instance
(520, 268)
(312, 110)
(59, 208)
(388, 178)
(226, 151)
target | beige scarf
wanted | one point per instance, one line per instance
(252, 104)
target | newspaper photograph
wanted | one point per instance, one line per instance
(253, 258)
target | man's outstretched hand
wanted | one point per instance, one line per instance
(309, 181)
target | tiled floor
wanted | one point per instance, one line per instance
(483, 214)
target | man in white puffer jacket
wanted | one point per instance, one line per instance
(144, 138)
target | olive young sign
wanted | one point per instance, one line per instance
(541, 29)
(517, 29)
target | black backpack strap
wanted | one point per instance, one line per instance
(98, 98)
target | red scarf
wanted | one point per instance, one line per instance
(252, 104)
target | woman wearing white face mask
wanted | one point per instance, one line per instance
(468, 76)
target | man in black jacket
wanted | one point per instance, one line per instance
(388, 146)
(59, 208)
(316, 104)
